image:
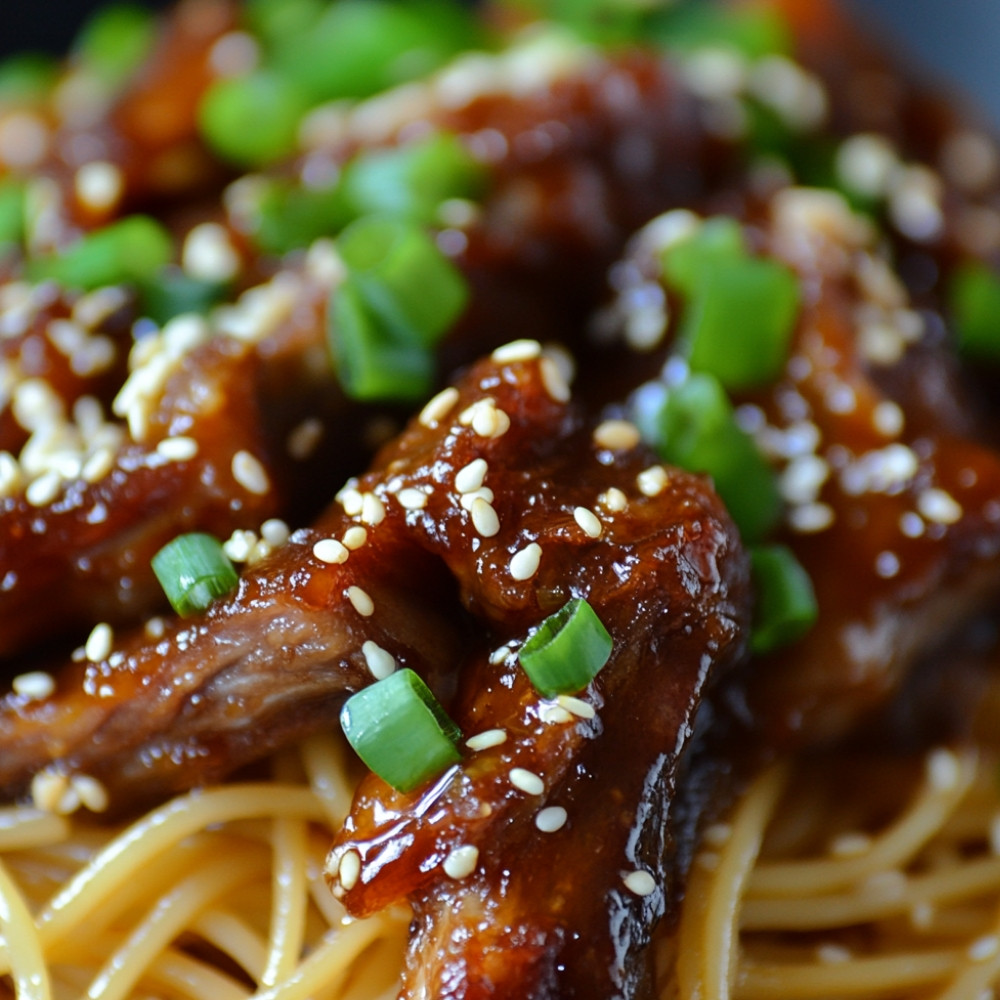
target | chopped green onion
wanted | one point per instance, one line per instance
(288, 217)
(752, 31)
(696, 430)
(975, 304)
(275, 21)
(132, 250)
(567, 651)
(193, 571)
(371, 364)
(115, 41)
(360, 47)
(401, 732)
(785, 600)
(740, 310)
(172, 293)
(11, 212)
(252, 120)
(407, 282)
(27, 77)
(412, 180)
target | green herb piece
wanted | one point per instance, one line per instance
(172, 293)
(193, 571)
(401, 732)
(785, 606)
(11, 212)
(567, 651)
(975, 305)
(27, 77)
(115, 41)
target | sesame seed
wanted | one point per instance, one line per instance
(48, 789)
(470, 477)
(588, 521)
(709, 860)
(553, 380)
(10, 474)
(801, 480)
(90, 792)
(468, 499)
(489, 421)
(438, 407)
(24, 139)
(351, 500)
(99, 185)
(239, 545)
(810, 518)
(329, 550)
(717, 834)
(155, 628)
(99, 643)
(372, 509)
(275, 532)
(484, 518)
(98, 465)
(887, 418)
(640, 882)
(553, 715)
(412, 499)
(850, 845)
(250, 473)
(380, 661)
(527, 781)
(177, 449)
(550, 819)
(616, 435)
(44, 489)
(304, 439)
(361, 602)
(349, 869)
(922, 915)
(461, 862)
(486, 739)
(524, 564)
(833, 954)
(208, 254)
(866, 163)
(652, 481)
(35, 685)
(939, 507)
(613, 499)
(580, 708)
(355, 537)
(943, 770)
(887, 565)
(516, 350)
(984, 948)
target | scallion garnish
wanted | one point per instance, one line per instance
(114, 42)
(193, 571)
(288, 216)
(975, 306)
(132, 250)
(567, 650)
(401, 732)
(695, 428)
(173, 292)
(11, 212)
(785, 607)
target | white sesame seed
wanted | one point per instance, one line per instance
(99, 185)
(98, 465)
(412, 499)
(486, 739)
(553, 381)
(304, 439)
(499, 655)
(886, 885)
(208, 254)
(35, 685)
(887, 565)
(833, 954)
(717, 834)
(361, 602)
(177, 449)
(553, 715)
(526, 781)
(236, 53)
(616, 435)
(922, 915)
(810, 518)
(613, 499)
(516, 350)
(275, 532)
(550, 819)
(10, 474)
(984, 948)
(888, 418)
(380, 661)
(355, 537)
(461, 861)
(44, 489)
(640, 882)
(468, 499)
(47, 789)
(588, 522)
(99, 643)
(155, 628)
(939, 506)
(866, 163)
(351, 500)
(484, 518)
(580, 708)
(652, 481)
(91, 793)
(489, 421)
(911, 524)
(850, 845)
(709, 860)
(470, 477)
(943, 770)
(524, 564)
(329, 550)
(372, 509)
(801, 480)
(438, 407)
(250, 473)
(239, 545)
(349, 869)
(24, 139)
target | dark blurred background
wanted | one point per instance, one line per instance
(957, 39)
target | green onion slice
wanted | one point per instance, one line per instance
(567, 651)
(173, 292)
(786, 605)
(11, 212)
(193, 571)
(401, 732)
(115, 41)
(975, 303)
(132, 250)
